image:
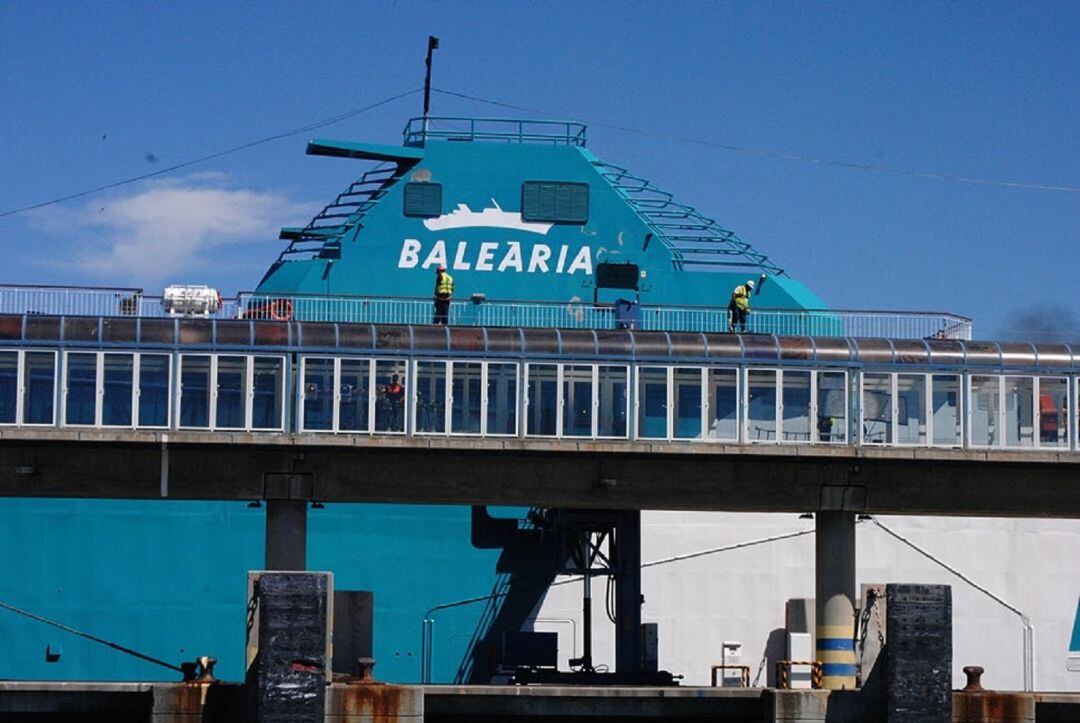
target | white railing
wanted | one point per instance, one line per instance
(87, 301)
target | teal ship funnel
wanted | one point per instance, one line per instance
(516, 210)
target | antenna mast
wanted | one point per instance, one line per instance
(432, 44)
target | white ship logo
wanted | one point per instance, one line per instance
(493, 217)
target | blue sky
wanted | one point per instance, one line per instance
(98, 92)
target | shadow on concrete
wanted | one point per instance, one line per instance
(775, 649)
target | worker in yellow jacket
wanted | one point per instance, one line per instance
(739, 306)
(444, 291)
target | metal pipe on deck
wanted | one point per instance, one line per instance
(835, 598)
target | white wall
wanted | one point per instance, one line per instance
(740, 594)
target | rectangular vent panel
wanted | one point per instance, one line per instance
(555, 202)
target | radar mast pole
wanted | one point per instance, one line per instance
(432, 44)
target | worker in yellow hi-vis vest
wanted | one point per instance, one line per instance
(444, 291)
(739, 306)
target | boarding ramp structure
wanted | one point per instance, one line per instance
(294, 412)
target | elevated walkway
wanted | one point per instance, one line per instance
(204, 409)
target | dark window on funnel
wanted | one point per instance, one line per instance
(423, 199)
(555, 202)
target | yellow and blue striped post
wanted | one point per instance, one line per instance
(835, 599)
(836, 653)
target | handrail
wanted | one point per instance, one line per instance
(86, 301)
(418, 130)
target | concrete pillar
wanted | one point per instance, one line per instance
(628, 641)
(286, 534)
(835, 598)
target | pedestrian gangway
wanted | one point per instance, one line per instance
(560, 385)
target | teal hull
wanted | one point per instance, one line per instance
(169, 579)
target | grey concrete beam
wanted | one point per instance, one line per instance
(58, 463)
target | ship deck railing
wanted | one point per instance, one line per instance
(576, 314)
(508, 130)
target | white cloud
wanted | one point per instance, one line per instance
(165, 230)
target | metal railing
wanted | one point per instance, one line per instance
(509, 130)
(88, 301)
(718, 670)
(784, 671)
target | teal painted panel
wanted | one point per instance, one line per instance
(164, 578)
(413, 558)
(169, 579)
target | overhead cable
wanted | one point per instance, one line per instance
(785, 155)
(203, 159)
(88, 636)
(1028, 642)
(644, 565)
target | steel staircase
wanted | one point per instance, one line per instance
(323, 235)
(694, 240)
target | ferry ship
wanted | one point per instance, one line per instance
(537, 232)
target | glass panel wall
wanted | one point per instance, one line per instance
(353, 395)
(543, 400)
(231, 392)
(577, 401)
(652, 404)
(430, 397)
(194, 390)
(761, 399)
(154, 385)
(1053, 412)
(911, 409)
(877, 426)
(390, 395)
(796, 407)
(9, 386)
(985, 400)
(318, 394)
(613, 399)
(724, 404)
(81, 393)
(945, 408)
(267, 395)
(502, 398)
(466, 406)
(1019, 412)
(39, 384)
(832, 415)
(687, 396)
(118, 383)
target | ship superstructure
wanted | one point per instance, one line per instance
(547, 244)
(516, 210)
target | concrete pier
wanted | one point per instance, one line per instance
(835, 595)
(226, 702)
